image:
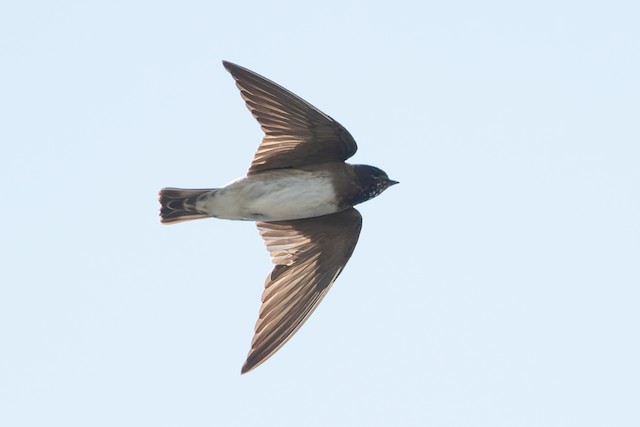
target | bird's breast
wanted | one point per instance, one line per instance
(277, 196)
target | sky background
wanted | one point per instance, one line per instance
(497, 285)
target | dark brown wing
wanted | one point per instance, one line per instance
(296, 132)
(309, 255)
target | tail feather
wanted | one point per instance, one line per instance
(180, 204)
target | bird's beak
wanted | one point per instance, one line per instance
(392, 182)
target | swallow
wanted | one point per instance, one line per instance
(301, 193)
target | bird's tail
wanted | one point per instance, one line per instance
(181, 205)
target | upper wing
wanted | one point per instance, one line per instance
(296, 132)
(309, 255)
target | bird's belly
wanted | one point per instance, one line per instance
(276, 196)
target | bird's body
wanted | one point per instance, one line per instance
(301, 193)
(276, 195)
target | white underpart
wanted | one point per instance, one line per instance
(274, 196)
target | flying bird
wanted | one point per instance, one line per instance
(300, 192)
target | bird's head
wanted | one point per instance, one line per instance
(373, 180)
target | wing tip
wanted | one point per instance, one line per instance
(231, 67)
(249, 366)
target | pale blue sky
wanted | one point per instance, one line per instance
(497, 285)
